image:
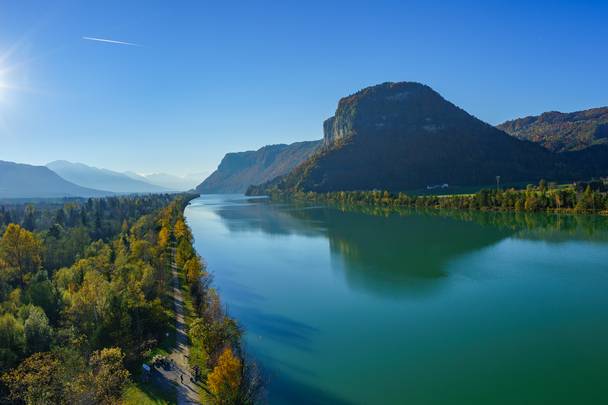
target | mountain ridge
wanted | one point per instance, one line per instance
(562, 132)
(238, 170)
(404, 136)
(100, 178)
(18, 180)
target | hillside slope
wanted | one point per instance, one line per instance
(561, 132)
(26, 181)
(404, 136)
(237, 171)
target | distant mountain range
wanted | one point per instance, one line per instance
(170, 181)
(405, 136)
(27, 181)
(237, 171)
(66, 179)
(102, 179)
(562, 132)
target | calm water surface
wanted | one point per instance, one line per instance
(345, 307)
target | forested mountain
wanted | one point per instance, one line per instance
(237, 171)
(404, 136)
(102, 179)
(560, 132)
(26, 181)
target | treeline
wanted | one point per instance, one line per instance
(83, 296)
(591, 199)
(216, 353)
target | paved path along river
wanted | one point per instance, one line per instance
(188, 392)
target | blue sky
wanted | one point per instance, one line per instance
(214, 77)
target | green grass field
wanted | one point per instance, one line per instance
(148, 394)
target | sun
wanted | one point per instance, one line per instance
(12, 73)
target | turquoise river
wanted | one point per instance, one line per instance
(362, 306)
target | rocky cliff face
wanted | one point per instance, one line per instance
(405, 136)
(562, 132)
(237, 171)
(390, 108)
(328, 132)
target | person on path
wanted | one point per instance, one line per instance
(181, 377)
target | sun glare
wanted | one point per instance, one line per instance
(3, 85)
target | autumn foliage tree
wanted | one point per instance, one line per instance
(181, 230)
(20, 252)
(36, 380)
(193, 269)
(163, 237)
(61, 378)
(109, 376)
(225, 379)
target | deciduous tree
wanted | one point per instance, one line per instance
(21, 250)
(225, 379)
(36, 380)
(109, 374)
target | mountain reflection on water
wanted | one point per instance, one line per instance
(388, 250)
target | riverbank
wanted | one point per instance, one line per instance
(219, 371)
(169, 384)
(202, 357)
(541, 198)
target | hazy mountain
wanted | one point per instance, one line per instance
(237, 171)
(135, 176)
(169, 181)
(26, 181)
(405, 136)
(561, 132)
(102, 179)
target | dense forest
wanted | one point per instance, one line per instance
(84, 300)
(582, 197)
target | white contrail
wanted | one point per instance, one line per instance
(109, 41)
